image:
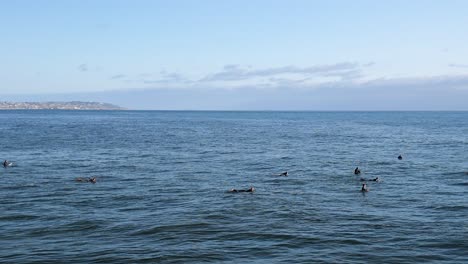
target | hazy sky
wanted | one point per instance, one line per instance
(238, 54)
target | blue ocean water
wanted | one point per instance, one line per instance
(162, 181)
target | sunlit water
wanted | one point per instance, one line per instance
(162, 181)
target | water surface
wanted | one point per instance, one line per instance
(162, 181)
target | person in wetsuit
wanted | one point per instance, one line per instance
(91, 180)
(376, 179)
(357, 171)
(251, 189)
(364, 188)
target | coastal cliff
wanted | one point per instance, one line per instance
(74, 105)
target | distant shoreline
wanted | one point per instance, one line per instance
(73, 105)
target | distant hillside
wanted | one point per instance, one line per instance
(74, 105)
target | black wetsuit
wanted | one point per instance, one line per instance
(248, 190)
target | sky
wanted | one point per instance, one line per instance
(237, 55)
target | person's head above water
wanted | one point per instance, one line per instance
(356, 170)
(400, 157)
(92, 180)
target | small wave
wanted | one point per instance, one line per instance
(460, 184)
(452, 208)
(20, 187)
(257, 235)
(172, 228)
(18, 217)
(131, 209)
(80, 225)
(128, 198)
(456, 173)
(76, 226)
(145, 156)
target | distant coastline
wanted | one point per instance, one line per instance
(73, 105)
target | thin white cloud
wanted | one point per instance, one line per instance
(427, 82)
(455, 65)
(234, 75)
(168, 78)
(238, 73)
(118, 76)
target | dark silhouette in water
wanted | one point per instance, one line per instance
(376, 179)
(251, 189)
(357, 171)
(81, 179)
(364, 188)
(284, 174)
(7, 163)
(400, 157)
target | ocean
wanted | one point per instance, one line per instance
(163, 180)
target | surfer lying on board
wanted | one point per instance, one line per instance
(81, 179)
(283, 174)
(251, 189)
(376, 179)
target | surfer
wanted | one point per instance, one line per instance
(284, 174)
(400, 157)
(376, 179)
(357, 171)
(364, 188)
(251, 189)
(81, 179)
(6, 163)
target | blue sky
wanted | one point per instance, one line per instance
(274, 55)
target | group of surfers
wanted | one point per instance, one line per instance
(7, 163)
(357, 171)
(364, 187)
